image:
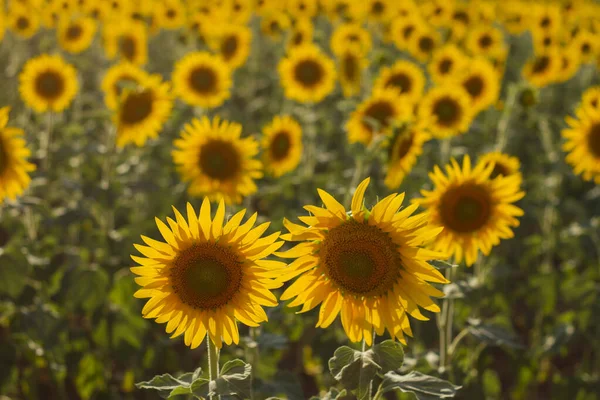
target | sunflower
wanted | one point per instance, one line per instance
(381, 11)
(547, 17)
(461, 20)
(591, 98)
(378, 115)
(402, 30)
(585, 44)
(543, 68)
(583, 143)
(208, 275)
(76, 35)
(98, 10)
(307, 74)
(474, 210)
(446, 110)
(403, 150)
(423, 42)
(302, 8)
(514, 17)
(445, 62)
(202, 79)
(437, 12)
(344, 10)
(48, 83)
(482, 83)
(274, 23)
(405, 77)
(302, 33)
(232, 43)
(216, 161)
(350, 34)
(127, 40)
(22, 21)
(351, 65)
(117, 78)
(14, 168)
(569, 66)
(169, 14)
(504, 165)
(369, 266)
(240, 11)
(485, 41)
(282, 145)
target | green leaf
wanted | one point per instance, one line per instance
(235, 379)
(424, 387)
(13, 275)
(161, 382)
(493, 334)
(86, 288)
(354, 369)
(390, 354)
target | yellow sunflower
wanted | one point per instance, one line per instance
(543, 69)
(207, 275)
(302, 8)
(446, 110)
(350, 34)
(446, 62)
(378, 115)
(587, 45)
(381, 11)
(232, 43)
(543, 40)
(48, 83)
(474, 210)
(240, 11)
(126, 40)
(117, 78)
(405, 77)
(369, 266)
(514, 16)
(547, 17)
(76, 35)
(403, 150)
(274, 24)
(307, 74)
(142, 111)
(485, 41)
(402, 30)
(583, 143)
(98, 10)
(482, 82)
(302, 33)
(591, 98)
(14, 168)
(22, 21)
(282, 145)
(169, 14)
(202, 79)
(343, 10)
(423, 42)
(461, 20)
(217, 163)
(504, 164)
(351, 65)
(569, 65)
(437, 12)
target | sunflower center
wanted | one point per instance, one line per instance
(540, 64)
(219, 160)
(474, 86)
(407, 31)
(594, 140)
(378, 8)
(485, 41)
(206, 275)
(381, 112)
(547, 41)
(447, 111)
(171, 13)
(22, 23)
(361, 259)
(280, 145)
(353, 38)
(404, 146)
(308, 72)
(461, 16)
(203, 80)
(74, 32)
(545, 22)
(499, 170)
(49, 85)
(127, 47)
(426, 44)
(298, 38)
(350, 67)
(465, 208)
(594, 103)
(445, 65)
(229, 47)
(400, 81)
(274, 27)
(137, 106)
(586, 48)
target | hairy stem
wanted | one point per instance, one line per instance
(213, 362)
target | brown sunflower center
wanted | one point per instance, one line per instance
(594, 103)
(447, 111)
(49, 85)
(22, 23)
(400, 81)
(350, 64)
(127, 47)
(203, 80)
(229, 47)
(308, 72)
(499, 170)
(485, 41)
(381, 112)
(446, 65)
(377, 8)
(465, 208)
(474, 86)
(426, 44)
(540, 64)
(586, 48)
(594, 139)
(547, 41)
(171, 13)
(74, 32)
(280, 145)
(545, 22)
(206, 275)
(361, 259)
(298, 38)
(401, 146)
(461, 16)
(274, 27)
(407, 31)
(219, 160)
(136, 107)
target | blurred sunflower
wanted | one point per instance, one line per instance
(48, 83)
(485, 41)
(569, 65)
(307, 74)
(401, 31)
(302, 33)
(591, 98)
(217, 163)
(368, 266)
(405, 77)
(169, 14)
(208, 275)
(381, 11)
(351, 65)
(446, 110)
(142, 111)
(343, 10)
(274, 24)
(437, 12)
(586, 45)
(543, 40)
(377, 115)
(403, 150)
(21, 21)
(240, 11)
(300, 9)
(98, 10)
(282, 145)
(423, 42)
(350, 34)
(232, 43)
(202, 79)
(504, 164)
(547, 17)
(514, 16)
(460, 22)
(474, 210)
(117, 78)
(583, 143)
(126, 40)
(543, 68)
(14, 168)
(76, 35)
(445, 62)
(482, 83)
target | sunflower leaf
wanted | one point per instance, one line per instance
(234, 380)
(391, 355)
(424, 387)
(354, 369)
(493, 334)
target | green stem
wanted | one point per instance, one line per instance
(213, 362)
(46, 141)
(445, 151)
(445, 326)
(364, 349)
(502, 132)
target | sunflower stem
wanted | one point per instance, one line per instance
(502, 132)
(364, 349)
(46, 139)
(445, 151)
(213, 362)
(445, 327)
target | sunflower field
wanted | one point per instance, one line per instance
(300, 199)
